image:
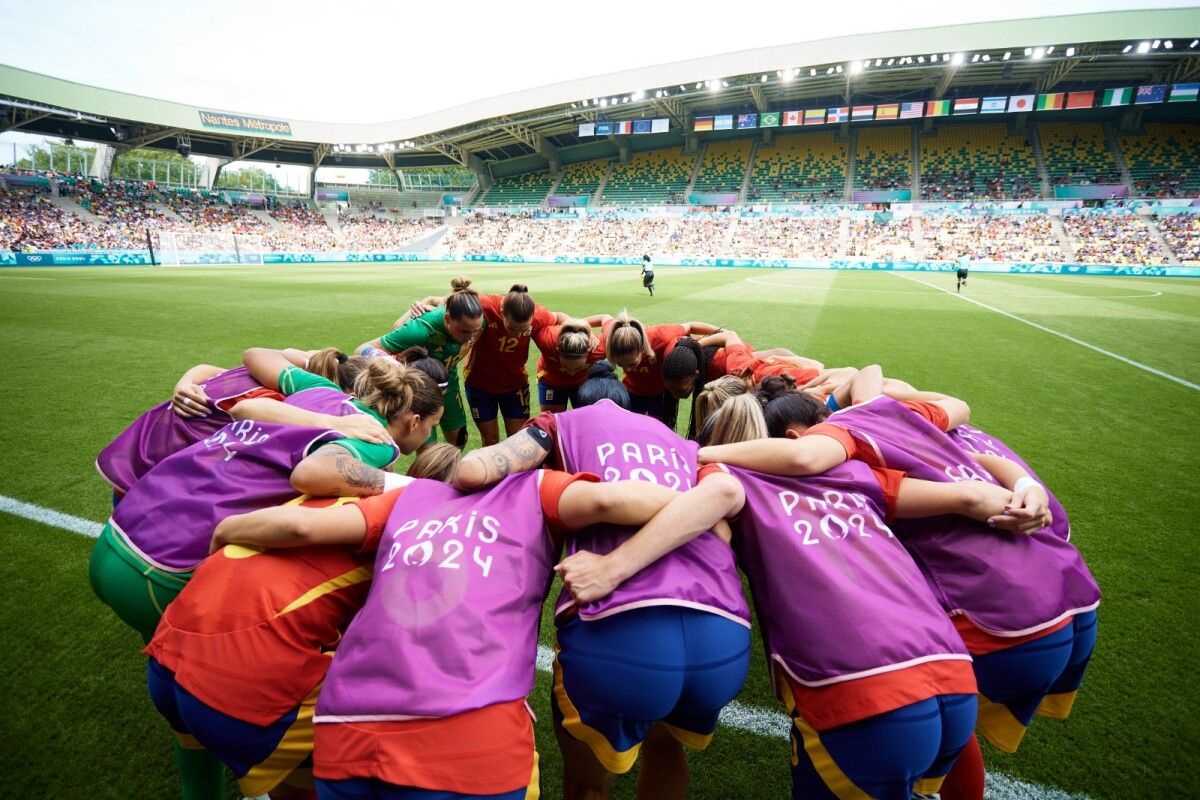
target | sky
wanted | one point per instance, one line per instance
(382, 60)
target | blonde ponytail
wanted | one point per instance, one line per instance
(391, 389)
(627, 337)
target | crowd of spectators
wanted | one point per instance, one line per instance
(1181, 232)
(968, 185)
(987, 238)
(1112, 239)
(890, 240)
(1160, 184)
(787, 237)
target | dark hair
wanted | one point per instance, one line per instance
(518, 305)
(463, 302)
(419, 358)
(645, 258)
(334, 365)
(602, 384)
(392, 389)
(686, 358)
(784, 406)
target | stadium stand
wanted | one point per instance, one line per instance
(788, 237)
(1075, 152)
(529, 189)
(653, 178)
(582, 178)
(1182, 234)
(724, 166)
(1163, 159)
(801, 167)
(1112, 239)
(983, 238)
(980, 161)
(883, 158)
(883, 240)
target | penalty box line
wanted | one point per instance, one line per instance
(758, 721)
(1060, 334)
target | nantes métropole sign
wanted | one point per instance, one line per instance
(238, 122)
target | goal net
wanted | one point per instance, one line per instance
(176, 248)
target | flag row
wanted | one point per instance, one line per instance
(917, 109)
(624, 127)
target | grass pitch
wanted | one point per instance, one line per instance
(86, 350)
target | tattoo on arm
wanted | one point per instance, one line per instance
(517, 453)
(500, 467)
(358, 474)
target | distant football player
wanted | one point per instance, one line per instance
(648, 274)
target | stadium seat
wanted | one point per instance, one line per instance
(529, 189)
(977, 161)
(652, 178)
(1163, 159)
(724, 166)
(805, 166)
(584, 178)
(1075, 152)
(883, 158)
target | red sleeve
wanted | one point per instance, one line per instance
(837, 432)
(889, 482)
(546, 338)
(738, 358)
(551, 489)
(261, 391)
(930, 411)
(375, 511)
(661, 336)
(492, 303)
(546, 421)
(542, 317)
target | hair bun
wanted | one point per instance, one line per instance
(602, 369)
(519, 287)
(771, 387)
(460, 284)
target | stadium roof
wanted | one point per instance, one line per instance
(1104, 51)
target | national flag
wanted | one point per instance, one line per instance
(702, 124)
(839, 114)
(993, 105)
(814, 116)
(1184, 92)
(1050, 102)
(1117, 97)
(1081, 99)
(604, 128)
(642, 126)
(625, 127)
(660, 125)
(913, 110)
(859, 113)
(937, 108)
(747, 121)
(587, 129)
(793, 117)
(887, 111)
(768, 119)
(1020, 102)
(966, 105)
(1150, 94)
(723, 122)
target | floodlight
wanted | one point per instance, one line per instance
(604, 102)
(839, 69)
(1049, 49)
(1039, 52)
(920, 59)
(699, 84)
(682, 88)
(1007, 55)
(714, 86)
(1128, 47)
(879, 62)
(1028, 51)
(855, 67)
(1168, 44)
(891, 61)
(987, 57)
(974, 58)
(1194, 43)
(829, 71)
(787, 76)
(945, 56)
(725, 84)
(763, 79)
(958, 59)
(1070, 52)
(1144, 47)
(1157, 42)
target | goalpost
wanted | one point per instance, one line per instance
(178, 248)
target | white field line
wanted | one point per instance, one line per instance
(759, 721)
(1059, 334)
(785, 285)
